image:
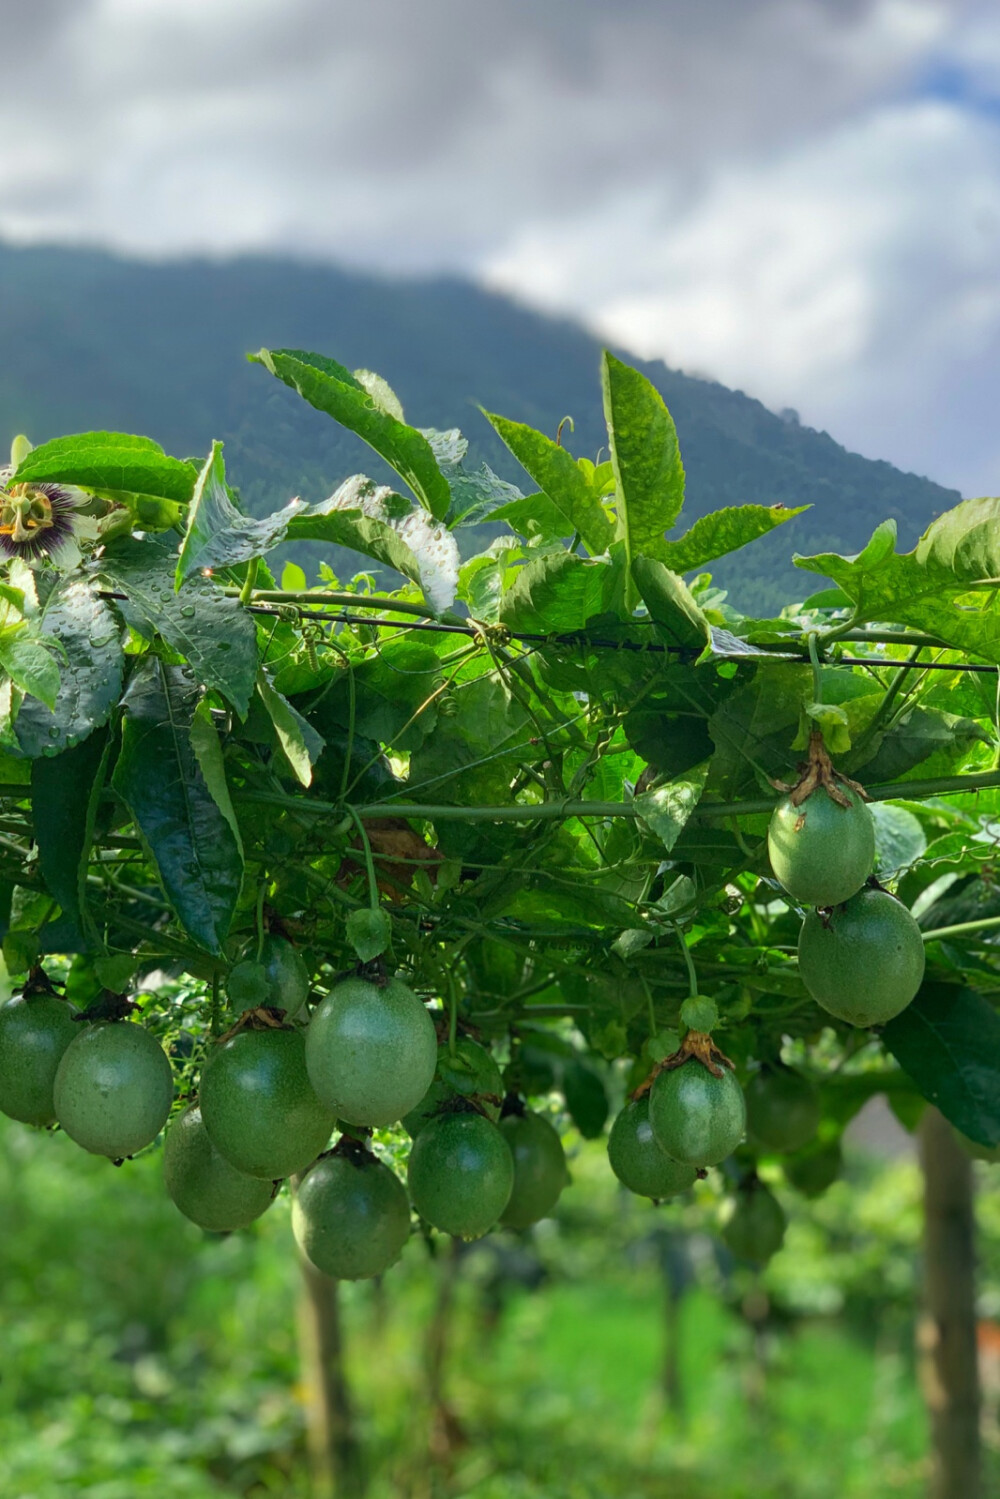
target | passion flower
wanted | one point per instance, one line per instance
(43, 520)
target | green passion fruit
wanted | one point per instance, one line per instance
(470, 1073)
(755, 1229)
(637, 1160)
(864, 961)
(783, 1110)
(34, 1033)
(202, 1183)
(811, 1172)
(539, 1169)
(371, 1051)
(350, 1215)
(822, 852)
(697, 1118)
(113, 1089)
(461, 1174)
(258, 1105)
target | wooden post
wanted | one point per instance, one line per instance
(947, 1330)
(334, 1452)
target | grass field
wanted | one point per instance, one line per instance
(140, 1357)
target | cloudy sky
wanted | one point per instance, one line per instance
(798, 197)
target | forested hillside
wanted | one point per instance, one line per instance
(92, 341)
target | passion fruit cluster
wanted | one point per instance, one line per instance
(273, 1091)
(861, 954)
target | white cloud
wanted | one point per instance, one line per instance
(854, 277)
(760, 190)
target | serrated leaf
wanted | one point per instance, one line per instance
(927, 588)
(948, 1041)
(214, 634)
(964, 541)
(557, 593)
(300, 743)
(666, 809)
(369, 933)
(332, 389)
(220, 535)
(371, 519)
(62, 788)
(109, 460)
(90, 676)
(160, 780)
(557, 473)
(534, 516)
(646, 456)
(723, 531)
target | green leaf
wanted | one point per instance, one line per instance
(948, 1041)
(558, 593)
(160, 780)
(669, 601)
(723, 531)
(90, 677)
(586, 1099)
(214, 634)
(331, 388)
(921, 588)
(646, 456)
(557, 473)
(109, 460)
(667, 808)
(212, 764)
(217, 533)
(534, 516)
(62, 788)
(900, 839)
(964, 541)
(29, 664)
(369, 933)
(371, 519)
(293, 579)
(300, 743)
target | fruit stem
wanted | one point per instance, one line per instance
(260, 919)
(373, 899)
(692, 976)
(651, 1006)
(814, 658)
(216, 1024)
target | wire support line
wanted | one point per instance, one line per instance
(784, 652)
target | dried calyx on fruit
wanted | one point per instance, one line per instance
(821, 838)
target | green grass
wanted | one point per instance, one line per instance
(140, 1357)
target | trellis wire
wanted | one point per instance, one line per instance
(577, 637)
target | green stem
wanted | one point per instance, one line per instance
(246, 592)
(963, 928)
(554, 811)
(379, 603)
(689, 962)
(814, 658)
(260, 918)
(216, 1005)
(373, 899)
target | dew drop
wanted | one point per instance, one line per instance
(188, 611)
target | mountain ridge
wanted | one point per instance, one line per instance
(93, 340)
